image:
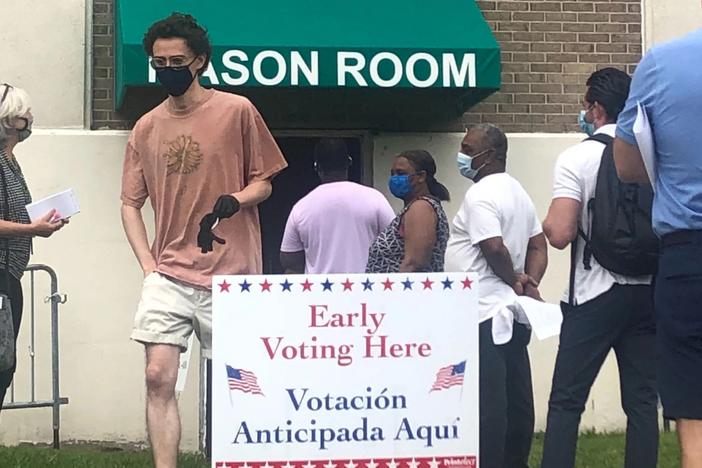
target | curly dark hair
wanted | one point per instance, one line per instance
(183, 26)
(609, 87)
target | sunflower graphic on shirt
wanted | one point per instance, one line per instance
(183, 155)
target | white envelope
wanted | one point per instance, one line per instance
(65, 203)
(644, 140)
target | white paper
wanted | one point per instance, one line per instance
(644, 140)
(544, 318)
(65, 203)
(183, 366)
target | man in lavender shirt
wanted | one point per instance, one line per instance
(332, 227)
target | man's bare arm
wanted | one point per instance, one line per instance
(135, 230)
(629, 163)
(254, 193)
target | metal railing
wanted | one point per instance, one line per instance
(55, 299)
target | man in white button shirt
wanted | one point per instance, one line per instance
(607, 310)
(497, 234)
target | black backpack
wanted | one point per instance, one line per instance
(621, 236)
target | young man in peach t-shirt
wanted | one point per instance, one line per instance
(205, 159)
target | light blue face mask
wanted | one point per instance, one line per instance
(400, 185)
(465, 164)
(585, 126)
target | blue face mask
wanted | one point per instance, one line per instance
(585, 126)
(400, 185)
(465, 165)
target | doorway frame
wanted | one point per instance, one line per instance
(367, 147)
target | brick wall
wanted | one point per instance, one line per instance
(549, 48)
(104, 115)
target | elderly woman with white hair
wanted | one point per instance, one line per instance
(16, 229)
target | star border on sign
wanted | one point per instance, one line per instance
(447, 283)
(327, 285)
(286, 285)
(348, 285)
(265, 286)
(467, 283)
(368, 285)
(307, 286)
(387, 284)
(245, 286)
(427, 284)
(407, 284)
(224, 286)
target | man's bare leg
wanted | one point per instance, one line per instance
(162, 419)
(690, 435)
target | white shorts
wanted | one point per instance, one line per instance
(170, 310)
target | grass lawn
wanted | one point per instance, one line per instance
(594, 451)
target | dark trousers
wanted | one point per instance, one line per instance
(621, 319)
(16, 302)
(678, 301)
(506, 400)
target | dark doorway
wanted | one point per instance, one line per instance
(290, 186)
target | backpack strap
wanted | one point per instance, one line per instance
(600, 137)
(571, 283)
(587, 250)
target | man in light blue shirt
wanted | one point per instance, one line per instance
(668, 84)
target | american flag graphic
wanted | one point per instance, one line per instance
(243, 380)
(449, 376)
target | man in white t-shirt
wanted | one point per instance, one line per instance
(331, 229)
(605, 311)
(497, 234)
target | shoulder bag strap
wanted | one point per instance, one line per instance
(6, 217)
(571, 283)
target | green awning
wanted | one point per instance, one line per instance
(324, 44)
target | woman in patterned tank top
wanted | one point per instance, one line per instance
(416, 239)
(16, 229)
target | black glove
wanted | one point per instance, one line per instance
(206, 237)
(226, 207)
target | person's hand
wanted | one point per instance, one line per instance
(518, 288)
(532, 292)
(206, 238)
(149, 267)
(47, 225)
(226, 207)
(526, 286)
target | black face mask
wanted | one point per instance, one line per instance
(176, 80)
(26, 132)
